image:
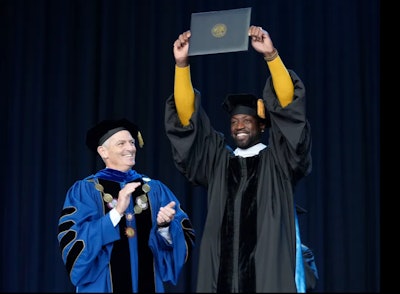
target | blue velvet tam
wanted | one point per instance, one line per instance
(98, 134)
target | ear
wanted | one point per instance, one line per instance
(102, 152)
(262, 127)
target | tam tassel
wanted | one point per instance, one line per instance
(140, 139)
(260, 108)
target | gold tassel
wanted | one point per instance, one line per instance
(260, 108)
(140, 139)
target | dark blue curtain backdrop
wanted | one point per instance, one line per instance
(67, 64)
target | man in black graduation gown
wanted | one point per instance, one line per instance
(251, 240)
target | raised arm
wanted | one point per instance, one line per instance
(183, 89)
(283, 85)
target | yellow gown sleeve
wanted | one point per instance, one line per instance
(283, 84)
(183, 94)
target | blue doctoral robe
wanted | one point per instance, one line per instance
(87, 235)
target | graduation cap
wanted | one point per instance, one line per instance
(246, 103)
(98, 134)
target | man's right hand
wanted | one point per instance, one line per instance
(124, 196)
(181, 49)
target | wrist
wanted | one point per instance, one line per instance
(182, 64)
(163, 225)
(120, 214)
(271, 56)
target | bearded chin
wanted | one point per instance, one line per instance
(244, 144)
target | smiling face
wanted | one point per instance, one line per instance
(246, 130)
(119, 151)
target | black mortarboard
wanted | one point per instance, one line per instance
(219, 31)
(246, 104)
(98, 134)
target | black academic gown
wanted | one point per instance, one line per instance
(263, 236)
